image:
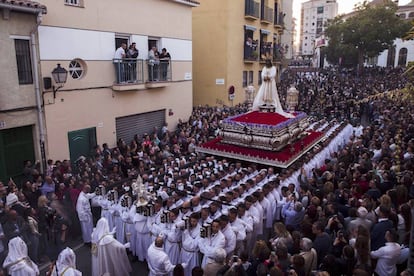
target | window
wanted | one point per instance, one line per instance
(320, 10)
(259, 78)
(76, 68)
(244, 78)
(402, 57)
(250, 77)
(23, 59)
(74, 3)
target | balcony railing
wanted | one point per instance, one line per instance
(250, 50)
(139, 71)
(251, 8)
(280, 20)
(278, 53)
(266, 49)
(267, 15)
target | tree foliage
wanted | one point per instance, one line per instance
(371, 30)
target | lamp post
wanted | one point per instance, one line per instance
(59, 75)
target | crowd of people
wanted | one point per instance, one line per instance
(183, 212)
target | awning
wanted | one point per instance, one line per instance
(263, 31)
(250, 28)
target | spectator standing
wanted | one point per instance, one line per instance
(153, 64)
(217, 263)
(387, 255)
(164, 63)
(322, 243)
(132, 54)
(48, 186)
(119, 63)
(379, 229)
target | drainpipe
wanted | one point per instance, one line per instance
(40, 115)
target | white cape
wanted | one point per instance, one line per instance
(267, 94)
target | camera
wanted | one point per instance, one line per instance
(235, 258)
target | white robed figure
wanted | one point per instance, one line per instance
(108, 255)
(17, 261)
(142, 241)
(267, 94)
(66, 264)
(106, 204)
(83, 207)
(172, 233)
(189, 249)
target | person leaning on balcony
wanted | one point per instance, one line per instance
(164, 62)
(119, 65)
(248, 48)
(153, 64)
(132, 54)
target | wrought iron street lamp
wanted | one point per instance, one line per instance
(59, 75)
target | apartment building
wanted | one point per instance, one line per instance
(88, 97)
(314, 15)
(21, 118)
(230, 42)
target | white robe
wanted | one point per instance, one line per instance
(106, 212)
(189, 249)
(172, 234)
(17, 261)
(267, 93)
(65, 264)
(111, 256)
(83, 207)
(158, 262)
(209, 245)
(142, 236)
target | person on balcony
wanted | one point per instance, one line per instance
(267, 95)
(119, 64)
(164, 62)
(248, 49)
(153, 64)
(132, 55)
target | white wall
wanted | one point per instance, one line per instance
(66, 44)
(179, 49)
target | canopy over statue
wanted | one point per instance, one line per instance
(267, 98)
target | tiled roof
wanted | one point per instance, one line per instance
(25, 3)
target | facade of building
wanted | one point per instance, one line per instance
(314, 15)
(104, 99)
(21, 118)
(403, 50)
(230, 41)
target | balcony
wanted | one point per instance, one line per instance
(280, 21)
(250, 51)
(267, 15)
(139, 74)
(266, 50)
(278, 53)
(251, 9)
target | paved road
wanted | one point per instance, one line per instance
(83, 261)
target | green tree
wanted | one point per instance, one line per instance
(371, 30)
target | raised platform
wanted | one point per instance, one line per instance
(263, 130)
(263, 137)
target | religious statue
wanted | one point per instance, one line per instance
(267, 98)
